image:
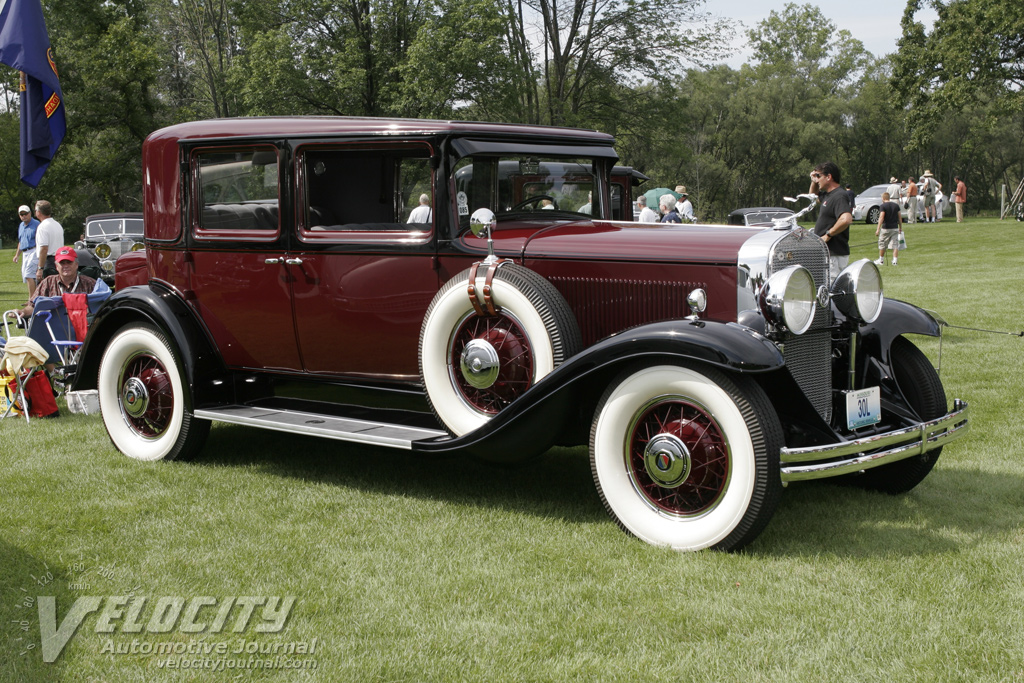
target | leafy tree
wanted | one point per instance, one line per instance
(592, 52)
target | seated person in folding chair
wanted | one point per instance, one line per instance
(66, 281)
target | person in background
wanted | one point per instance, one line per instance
(893, 189)
(852, 195)
(667, 204)
(589, 206)
(890, 225)
(912, 192)
(929, 188)
(49, 238)
(421, 214)
(959, 198)
(685, 208)
(645, 214)
(835, 216)
(27, 248)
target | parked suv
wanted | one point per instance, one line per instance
(109, 235)
(705, 366)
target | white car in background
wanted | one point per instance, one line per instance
(867, 205)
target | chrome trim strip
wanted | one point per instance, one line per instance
(325, 426)
(926, 436)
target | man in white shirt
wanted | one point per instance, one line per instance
(49, 238)
(894, 189)
(646, 214)
(421, 214)
(684, 208)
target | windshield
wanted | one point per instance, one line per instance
(523, 184)
(114, 227)
(766, 216)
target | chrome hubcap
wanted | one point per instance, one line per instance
(667, 460)
(480, 364)
(134, 397)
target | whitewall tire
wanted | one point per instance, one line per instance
(687, 457)
(473, 366)
(145, 403)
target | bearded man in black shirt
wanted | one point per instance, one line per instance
(835, 216)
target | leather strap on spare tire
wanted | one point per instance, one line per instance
(487, 306)
(478, 356)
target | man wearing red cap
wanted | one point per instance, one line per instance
(66, 281)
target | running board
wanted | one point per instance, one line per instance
(325, 426)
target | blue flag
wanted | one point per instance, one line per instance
(25, 45)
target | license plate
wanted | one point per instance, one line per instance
(863, 407)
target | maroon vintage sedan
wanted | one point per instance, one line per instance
(465, 288)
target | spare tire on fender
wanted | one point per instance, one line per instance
(473, 364)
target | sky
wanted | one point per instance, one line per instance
(876, 23)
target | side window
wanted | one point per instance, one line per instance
(366, 190)
(618, 209)
(237, 191)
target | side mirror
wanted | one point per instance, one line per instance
(482, 221)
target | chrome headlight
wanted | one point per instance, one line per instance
(788, 299)
(103, 250)
(857, 291)
(137, 246)
(107, 265)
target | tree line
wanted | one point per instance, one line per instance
(949, 100)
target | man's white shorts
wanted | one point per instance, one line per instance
(29, 265)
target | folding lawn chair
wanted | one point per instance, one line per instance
(22, 360)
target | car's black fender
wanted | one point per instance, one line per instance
(896, 318)
(873, 353)
(519, 430)
(159, 305)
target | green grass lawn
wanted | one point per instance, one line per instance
(411, 570)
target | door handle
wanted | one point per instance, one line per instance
(272, 261)
(293, 261)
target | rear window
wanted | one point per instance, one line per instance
(237, 194)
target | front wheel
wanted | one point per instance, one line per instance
(923, 390)
(687, 457)
(146, 405)
(873, 214)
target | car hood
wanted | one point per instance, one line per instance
(628, 241)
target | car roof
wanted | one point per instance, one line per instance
(111, 216)
(301, 126)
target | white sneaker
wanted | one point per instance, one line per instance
(895, 261)
(879, 262)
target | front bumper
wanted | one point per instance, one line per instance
(835, 459)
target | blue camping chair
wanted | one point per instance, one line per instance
(52, 328)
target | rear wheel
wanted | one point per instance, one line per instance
(144, 400)
(923, 390)
(687, 457)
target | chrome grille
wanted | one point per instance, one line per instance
(808, 356)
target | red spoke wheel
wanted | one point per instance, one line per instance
(678, 457)
(491, 360)
(687, 456)
(147, 397)
(144, 399)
